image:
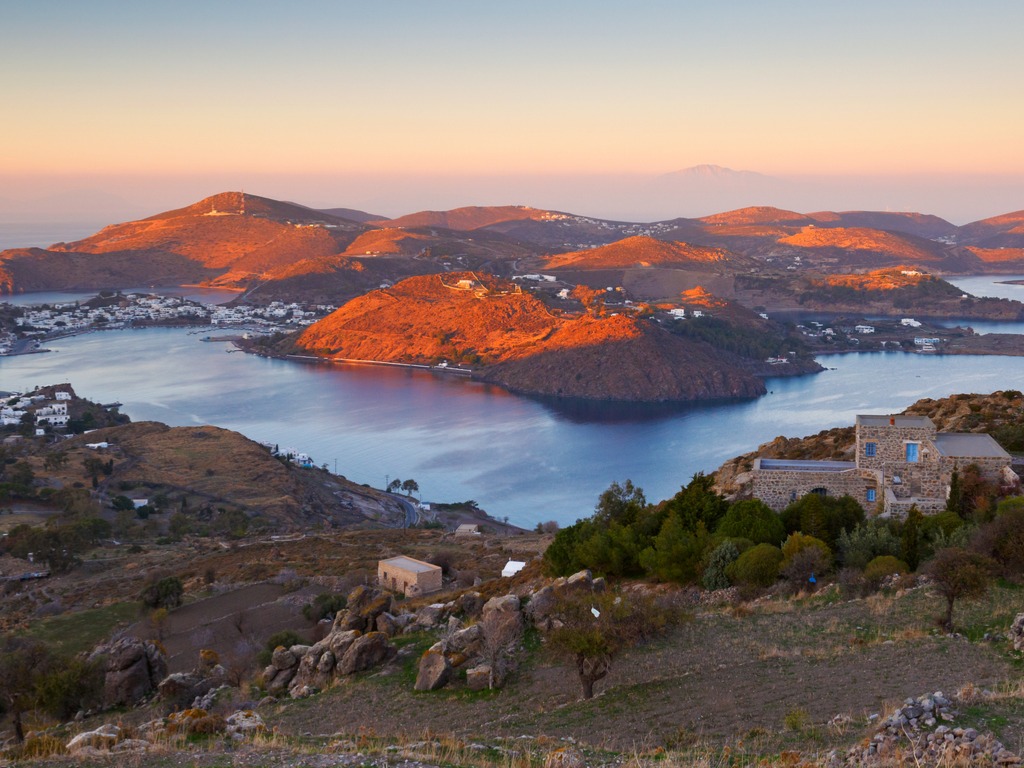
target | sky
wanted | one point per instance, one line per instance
(400, 105)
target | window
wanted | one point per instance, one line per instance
(823, 492)
(871, 494)
(912, 451)
(870, 449)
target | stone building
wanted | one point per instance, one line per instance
(409, 576)
(900, 461)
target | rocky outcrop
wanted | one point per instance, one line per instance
(435, 670)
(182, 689)
(133, 670)
(354, 644)
(363, 606)
(366, 652)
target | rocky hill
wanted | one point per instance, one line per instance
(228, 239)
(645, 251)
(202, 470)
(888, 292)
(512, 339)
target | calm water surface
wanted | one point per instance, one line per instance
(459, 440)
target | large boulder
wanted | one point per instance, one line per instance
(133, 670)
(103, 738)
(541, 607)
(363, 606)
(430, 615)
(505, 604)
(1017, 632)
(366, 651)
(466, 640)
(469, 604)
(434, 671)
(479, 677)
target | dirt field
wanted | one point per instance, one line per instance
(233, 624)
(722, 677)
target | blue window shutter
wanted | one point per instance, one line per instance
(912, 453)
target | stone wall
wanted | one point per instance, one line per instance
(780, 487)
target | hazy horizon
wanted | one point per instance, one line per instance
(629, 197)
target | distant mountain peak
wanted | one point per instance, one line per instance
(711, 172)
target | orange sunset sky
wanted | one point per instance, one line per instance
(404, 105)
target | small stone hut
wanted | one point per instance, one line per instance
(409, 576)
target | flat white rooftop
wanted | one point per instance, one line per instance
(411, 564)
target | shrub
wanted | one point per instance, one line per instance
(864, 543)
(881, 568)
(286, 638)
(757, 567)
(165, 593)
(1003, 539)
(325, 604)
(798, 542)
(724, 555)
(752, 519)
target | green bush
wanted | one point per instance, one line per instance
(881, 568)
(864, 543)
(724, 555)
(286, 638)
(798, 542)
(325, 604)
(757, 567)
(752, 519)
(165, 593)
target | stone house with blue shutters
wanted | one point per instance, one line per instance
(900, 461)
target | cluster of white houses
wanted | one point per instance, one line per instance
(53, 413)
(138, 308)
(900, 462)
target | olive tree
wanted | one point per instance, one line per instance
(593, 629)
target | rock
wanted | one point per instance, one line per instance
(134, 669)
(583, 580)
(386, 623)
(1016, 633)
(429, 615)
(131, 746)
(434, 672)
(466, 640)
(180, 688)
(340, 642)
(469, 604)
(503, 604)
(281, 680)
(103, 738)
(367, 651)
(364, 605)
(283, 658)
(245, 722)
(479, 677)
(565, 757)
(541, 606)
